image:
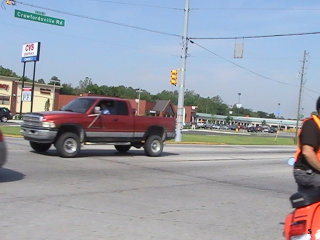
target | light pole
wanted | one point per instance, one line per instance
(278, 111)
(139, 91)
(239, 103)
(54, 91)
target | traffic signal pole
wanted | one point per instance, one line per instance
(185, 40)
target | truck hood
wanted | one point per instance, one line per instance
(52, 115)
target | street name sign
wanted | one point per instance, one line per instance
(38, 18)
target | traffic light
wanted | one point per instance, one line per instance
(174, 77)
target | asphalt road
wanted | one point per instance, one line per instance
(192, 192)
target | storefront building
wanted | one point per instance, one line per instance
(11, 96)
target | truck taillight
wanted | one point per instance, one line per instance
(1, 137)
(298, 231)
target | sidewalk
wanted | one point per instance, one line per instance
(14, 122)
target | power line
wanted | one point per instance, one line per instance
(249, 70)
(257, 36)
(99, 19)
(156, 31)
(137, 4)
(258, 9)
(239, 66)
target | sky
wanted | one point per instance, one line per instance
(136, 43)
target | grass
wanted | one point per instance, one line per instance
(236, 139)
(205, 139)
(10, 130)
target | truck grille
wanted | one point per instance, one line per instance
(32, 120)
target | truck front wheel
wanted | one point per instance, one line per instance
(153, 146)
(122, 148)
(40, 147)
(68, 145)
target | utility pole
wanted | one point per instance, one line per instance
(185, 40)
(305, 54)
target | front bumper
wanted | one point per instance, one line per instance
(39, 135)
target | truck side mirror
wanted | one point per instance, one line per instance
(97, 110)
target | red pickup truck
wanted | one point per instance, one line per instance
(96, 120)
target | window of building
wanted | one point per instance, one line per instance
(4, 100)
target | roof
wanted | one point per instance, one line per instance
(249, 119)
(161, 105)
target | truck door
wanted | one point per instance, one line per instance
(114, 123)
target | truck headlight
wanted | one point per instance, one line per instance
(48, 124)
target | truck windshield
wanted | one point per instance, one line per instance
(79, 105)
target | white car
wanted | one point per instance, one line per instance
(3, 150)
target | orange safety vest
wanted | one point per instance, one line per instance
(298, 150)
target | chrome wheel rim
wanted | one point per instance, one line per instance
(155, 146)
(70, 145)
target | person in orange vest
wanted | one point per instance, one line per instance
(306, 169)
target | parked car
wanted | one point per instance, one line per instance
(251, 129)
(255, 129)
(215, 126)
(5, 114)
(3, 150)
(208, 125)
(232, 127)
(272, 130)
(259, 128)
(265, 129)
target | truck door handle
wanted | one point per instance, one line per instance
(115, 120)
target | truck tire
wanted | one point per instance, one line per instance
(122, 148)
(153, 146)
(40, 147)
(68, 145)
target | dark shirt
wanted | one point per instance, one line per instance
(310, 135)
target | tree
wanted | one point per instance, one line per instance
(271, 115)
(167, 95)
(54, 80)
(262, 114)
(67, 89)
(41, 81)
(47, 105)
(7, 72)
(228, 119)
(84, 84)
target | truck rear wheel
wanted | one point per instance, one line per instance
(68, 145)
(153, 146)
(122, 148)
(40, 147)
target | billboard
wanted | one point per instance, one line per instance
(30, 52)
